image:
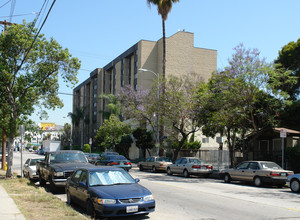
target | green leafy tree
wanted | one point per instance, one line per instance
(66, 135)
(123, 147)
(144, 140)
(30, 66)
(289, 59)
(112, 131)
(242, 98)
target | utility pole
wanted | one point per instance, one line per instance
(5, 23)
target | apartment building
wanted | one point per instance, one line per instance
(181, 58)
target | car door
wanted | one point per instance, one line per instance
(73, 184)
(82, 188)
(181, 165)
(239, 172)
(174, 167)
(251, 171)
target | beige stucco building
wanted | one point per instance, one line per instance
(182, 57)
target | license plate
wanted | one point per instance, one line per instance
(283, 174)
(132, 209)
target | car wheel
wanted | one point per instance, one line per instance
(141, 168)
(295, 185)
(169, 171)
(41, 180)
(69, 199)
(227, 178)
(90, 208)
(186, 174)
(257, 181)
(154, 169)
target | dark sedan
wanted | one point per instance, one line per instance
(116, 161)
(108, 192)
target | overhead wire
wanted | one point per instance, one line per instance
(5, 4)
(12, 9)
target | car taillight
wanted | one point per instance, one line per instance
(209, 167)
(161, 164)
(274, 174)
(127, 163)
(196, 166)
(114, 163)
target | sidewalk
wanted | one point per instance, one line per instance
(8, 208)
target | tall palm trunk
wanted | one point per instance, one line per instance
(164, 51)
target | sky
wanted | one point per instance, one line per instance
(97, 31)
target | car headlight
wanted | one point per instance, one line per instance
(148, 198)
(58, 173)
(106, 201)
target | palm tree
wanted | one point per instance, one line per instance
(163, 7)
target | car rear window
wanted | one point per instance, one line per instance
(270, 165)
(163, 159)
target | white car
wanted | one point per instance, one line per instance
(293, 182)
(29, 169)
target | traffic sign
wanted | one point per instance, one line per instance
(283, 133)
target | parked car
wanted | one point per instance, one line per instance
(109, 191)
(190, 166)
(293, 182)
(257, 172)
(155, 163)
(114, 160)
(92, 157)
(29, 169)
(104, 154)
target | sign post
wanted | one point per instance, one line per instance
(21, 130)
(282, 135)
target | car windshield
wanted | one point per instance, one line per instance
(270, 165)
(33, 161)
(163, 159)
(110, 177)
(70, 157)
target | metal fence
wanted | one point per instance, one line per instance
(220, 159)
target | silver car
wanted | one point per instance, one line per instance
(293, 181)
(257, 172)
(155, 164)
(190, 166)
(29, 169)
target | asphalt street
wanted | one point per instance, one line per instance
(200, 198)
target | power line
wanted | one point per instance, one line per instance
(5, 4)
(32, 13)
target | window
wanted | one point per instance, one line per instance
(76, 176)
(253, 166)
(243, 165)
(205, 140)
(83, 178)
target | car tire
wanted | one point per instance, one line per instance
(186, 174)
(169, 171)
(90, 208)
(154, 169)
(295, 185)
(227, 178)
(257, 181)
(41, 180)
(141, 168)
(69, 199)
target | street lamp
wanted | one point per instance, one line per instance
(157, 115)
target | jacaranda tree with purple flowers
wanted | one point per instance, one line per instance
(241, 98)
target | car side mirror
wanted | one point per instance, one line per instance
(137, 180)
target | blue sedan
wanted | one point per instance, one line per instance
(108, 192)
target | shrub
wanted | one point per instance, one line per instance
(86, 148)
(76, 147)
(66, 147)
